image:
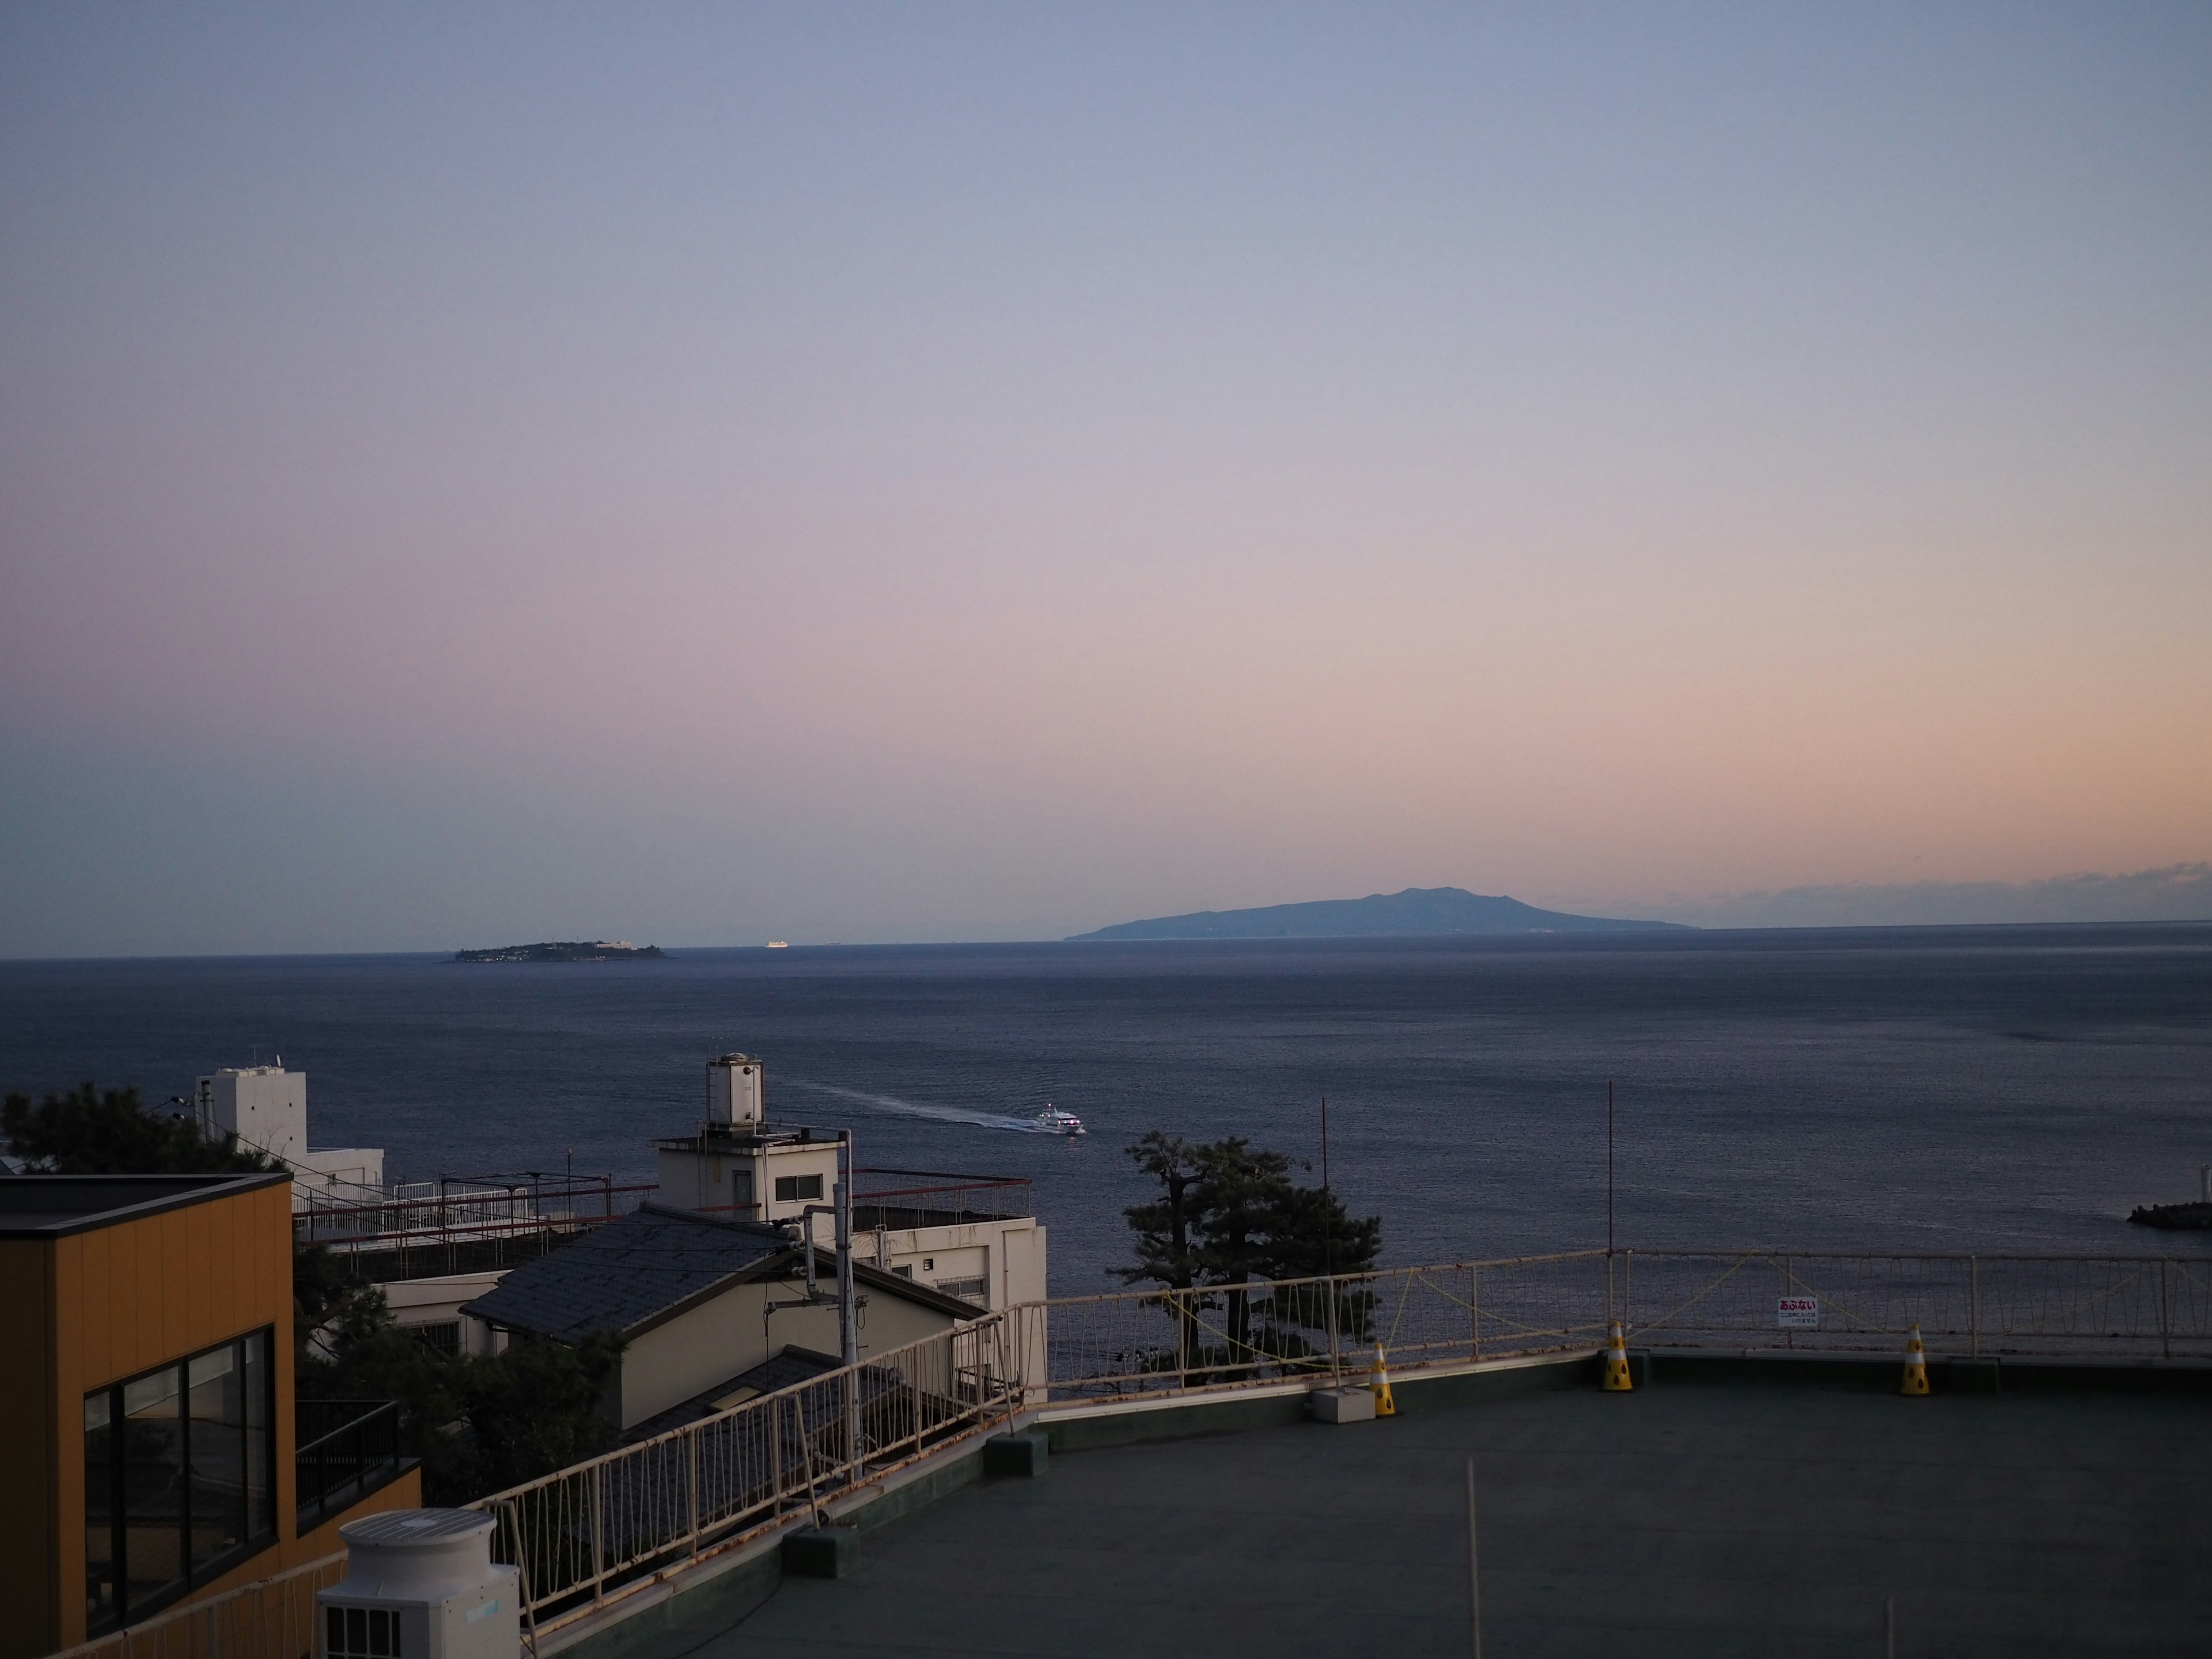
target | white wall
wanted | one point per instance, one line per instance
(435, 1301)
(265, 1106)
(708, 1344)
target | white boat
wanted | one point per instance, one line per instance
(779, 945)
(1053, 1122)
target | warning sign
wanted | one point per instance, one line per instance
(1797, 1313)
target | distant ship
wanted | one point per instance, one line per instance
(779, 945)
(1053, 1122)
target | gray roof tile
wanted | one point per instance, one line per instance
(628, 1274)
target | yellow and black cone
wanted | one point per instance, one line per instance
(1616, 1362)
(1378, 1384)
(1916, 1365)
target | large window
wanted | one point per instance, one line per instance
(177, 1486)
(789, 1190)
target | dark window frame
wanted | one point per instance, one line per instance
(802, 1187)
(194, 1575)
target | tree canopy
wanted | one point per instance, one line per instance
(88, 1130)
(1228, 1212)
(1229, 1216)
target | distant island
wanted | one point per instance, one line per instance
(2174, 1218)
(1417, 912)
(598, 949)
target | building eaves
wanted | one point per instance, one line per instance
(56, 1206)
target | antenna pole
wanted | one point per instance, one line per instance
(1608, 1166)
(1474, 1571)
(1327, 1217)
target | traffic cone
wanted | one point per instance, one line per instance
(1379, 1385)
(1916, 1365)
(1616, 1362)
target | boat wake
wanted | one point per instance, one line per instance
(1027, 1125)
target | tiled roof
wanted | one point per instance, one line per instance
(628, 1274)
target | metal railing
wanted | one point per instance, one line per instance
(591, 1534)
(592, 1531)
(1228, 1335)
(891, 1200)
(464, 1224)
(271, 1618)
(2048, 1306)
(354, 1449)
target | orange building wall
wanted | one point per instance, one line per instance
(130, 1296)
(28, 1463)
(90, 1309)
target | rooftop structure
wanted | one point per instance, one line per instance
(972, 1236)
(266, 1108)
(1699, 1514)
(1787, 1465)
(699, 1300)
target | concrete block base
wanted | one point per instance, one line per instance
(1021, 1455)
(822, 1553)
(1342, 1406)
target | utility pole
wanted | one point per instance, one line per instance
(1474, 1571)
(848, 1325)
(1608, 1168)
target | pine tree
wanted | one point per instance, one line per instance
(1230, 1216)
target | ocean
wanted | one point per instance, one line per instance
(1992, 1090)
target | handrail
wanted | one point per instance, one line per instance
(604, 1527)
(613, 1524)
(358, 1463)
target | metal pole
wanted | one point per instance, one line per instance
(849, 1324)
(599, 1536)
(1473, 1571)
(692, 1441)
(1974, 1307)
(2165, 1324)
(1608, 1174)
(1327, 1226)
(1336, 1368)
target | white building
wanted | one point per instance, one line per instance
(266, 1108)
(956, 1234)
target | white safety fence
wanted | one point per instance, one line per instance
(580, 1534)
(2048, 1306)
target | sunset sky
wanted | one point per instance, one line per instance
(702, 474)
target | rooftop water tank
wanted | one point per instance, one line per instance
(421, 1584)
(736, 1091)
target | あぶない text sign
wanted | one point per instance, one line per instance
(1797, 1313)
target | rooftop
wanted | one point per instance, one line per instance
(650, 1265)
(50, 1206)
(1689, 1517)
(628, 1274)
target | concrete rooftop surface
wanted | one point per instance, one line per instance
(1712, 1519)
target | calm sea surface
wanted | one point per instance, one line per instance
(1940, 1088)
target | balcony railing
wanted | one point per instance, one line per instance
(465, 1223)
(347, 1450)
(894, 1199)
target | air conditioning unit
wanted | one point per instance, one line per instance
(421, 1584)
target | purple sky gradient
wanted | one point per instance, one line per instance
(716, 473)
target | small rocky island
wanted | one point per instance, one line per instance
(2174, 1218)
(565, 950)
